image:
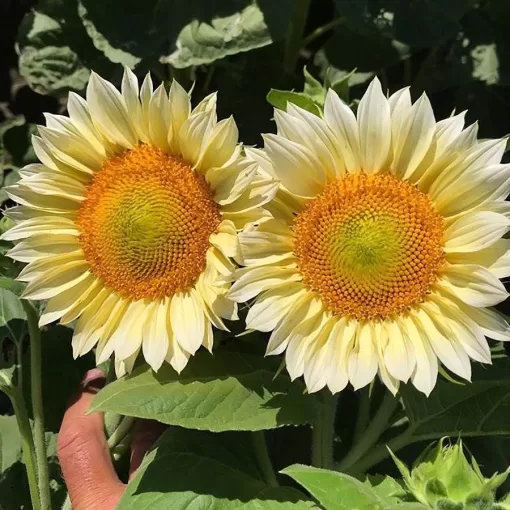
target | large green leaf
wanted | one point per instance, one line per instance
(55, 52)
(421, 23)
(333, 490)
(182, 34)
(474, 409)
(338, 491)
(480, 54)
(203, 42)
(10, 443)
(12, 316)
(14, 489)
(227, 391)
(424, 23)
(373, 51)
(46, 60)
(192, 469)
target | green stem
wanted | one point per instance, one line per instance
(323, 433)
(19, 361)
(294, 41)
(373, 432)
(322, 30)
(381, 452)
(363, 415)
(37, 404)
(121, 431)
(27, 446)
(263, 459)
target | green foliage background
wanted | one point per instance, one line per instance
(258, 54)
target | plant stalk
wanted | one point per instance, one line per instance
(382, 451)
(27, 446)
(294, 41)
(323, 433)
(263, 459)
(363, 415)
(372, 434)
(322, 30)
(121, 431)
(37, 404)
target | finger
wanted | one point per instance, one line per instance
(145, 434)
(83, 452)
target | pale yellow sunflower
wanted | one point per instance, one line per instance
(386, 248)
(131, 218)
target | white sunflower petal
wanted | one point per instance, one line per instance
(374, 123)
(109, 111)
(474, 285)
(295, 166)
(362, 364)
(188, 321)
(155, 337)
(476, 231)
(342, 122)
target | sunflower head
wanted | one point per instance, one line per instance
(130, 221)
(370, 245)
(385, 249)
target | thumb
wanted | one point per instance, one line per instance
(83, 452)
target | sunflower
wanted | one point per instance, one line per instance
(385, 250)
(131, 218)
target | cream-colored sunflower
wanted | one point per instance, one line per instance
(131, 219)
(385, 251)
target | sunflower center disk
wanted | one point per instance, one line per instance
(145, 223)
(370, 245)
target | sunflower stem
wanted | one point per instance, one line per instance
(372, 434)
(323, 433)
(363, 414)
(27, 445)
(294, 40)
(263, 459)
(121, 431)
(37, 404)
(382, 451)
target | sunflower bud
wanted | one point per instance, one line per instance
(443, 478)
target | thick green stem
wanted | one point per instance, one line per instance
(27, 446)
(294, 41)
(37, 404)
(373, 432)
(120, 432)
(324, 432)
(363, 415)
(381, 452)
(263, 459)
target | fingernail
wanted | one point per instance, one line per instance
(94, 378)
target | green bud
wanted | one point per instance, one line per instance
(444, 479)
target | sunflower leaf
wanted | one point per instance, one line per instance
(280, 98)
(214, 471)
(338, 491)
(183, 34)
(55, 52)
(227, 391)
(481, 406)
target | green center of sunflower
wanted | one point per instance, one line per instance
(370, 245)
(145, 223)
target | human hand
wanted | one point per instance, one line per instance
(83, 451)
